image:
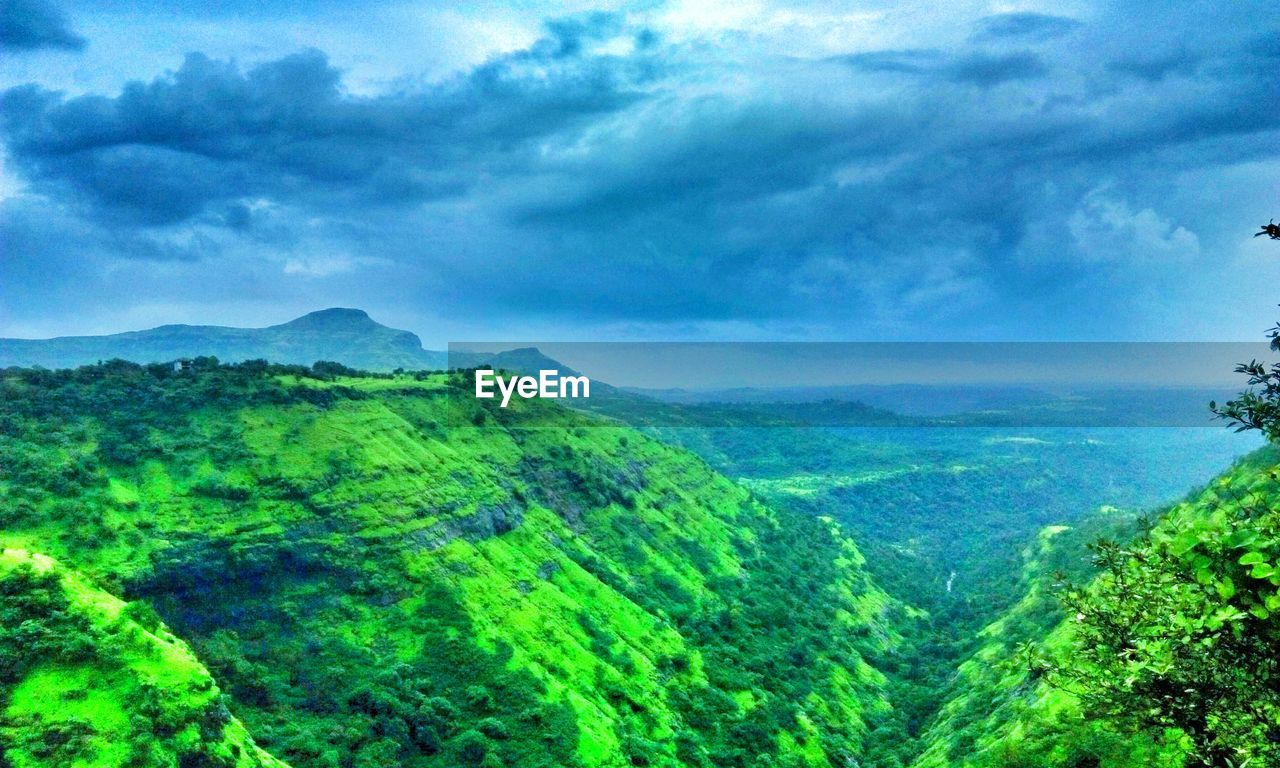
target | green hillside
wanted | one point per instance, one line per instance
(89, 681)
(372, 585)
(1183, 617)
(995, 715)
(379, 570)
(948, 519)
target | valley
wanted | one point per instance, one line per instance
(317, 567)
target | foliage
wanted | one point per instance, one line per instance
(1257, 409)
(376, 581)
(379, 571)
(1180, 631)
(83, 684)
(948, 518)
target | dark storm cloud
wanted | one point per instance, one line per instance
(1024, 26)
(948, 193)
(981, 68)
(985, 69)
(186, 144)
(28, 25)
(609, 173)
(1155, 67)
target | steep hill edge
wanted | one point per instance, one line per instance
(89, 680)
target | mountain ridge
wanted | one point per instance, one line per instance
(340, 334)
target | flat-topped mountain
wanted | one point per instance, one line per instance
(348, 336)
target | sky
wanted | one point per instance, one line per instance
(744, 170)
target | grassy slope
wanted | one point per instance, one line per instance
(373, 585)
(998, 717)
(86, 685)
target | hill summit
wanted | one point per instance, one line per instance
(334, 319)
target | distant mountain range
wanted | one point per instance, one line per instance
(351, 337)
(347, 336)
(341, 335)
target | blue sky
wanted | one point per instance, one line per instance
(688, 170)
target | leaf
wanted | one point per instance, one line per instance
(1227, 614)
(1242, 538)
(1183, 543)
(1226, 588)
(1249, 558)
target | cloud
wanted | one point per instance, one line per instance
(28, 25)
(1154, 67)
(980, 68)
(907, 61)
(1024, 26)
(986, 70)
(617, 173)
(1106, 229)
(200, 139)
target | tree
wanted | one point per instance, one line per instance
(1181, 629)
(1258, 408)
(1176, 633)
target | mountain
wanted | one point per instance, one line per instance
(347, 336)
(373, 585)
(526, 360)
(89, 680)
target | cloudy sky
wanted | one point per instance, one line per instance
(665, 170)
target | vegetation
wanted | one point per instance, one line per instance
(1168, 656)
(1181, 629)
(378, 570)
(88, 680)
(947, 517)
(374, 584)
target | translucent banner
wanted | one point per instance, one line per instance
(847, 384)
